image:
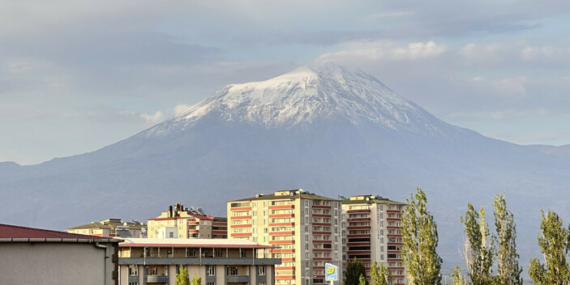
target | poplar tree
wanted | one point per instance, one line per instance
(553, 243)
(380, 275)
(457, 277)
(362, 280)
(478, 252)
(508, 270)
(196, 280)
(182, 278)
(420, 239)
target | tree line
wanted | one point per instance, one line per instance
(482, 249)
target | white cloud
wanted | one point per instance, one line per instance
(386, 51)
(181, 108)
(153, 118)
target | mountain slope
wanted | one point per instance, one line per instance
(322, 128)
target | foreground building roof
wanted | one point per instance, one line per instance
(10, 233)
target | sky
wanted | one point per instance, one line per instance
(76, 76)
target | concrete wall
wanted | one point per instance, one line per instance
(53, 263)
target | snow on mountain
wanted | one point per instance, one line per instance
(308, 94)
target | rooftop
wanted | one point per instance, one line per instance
(287, 194)
(10, 233)
(209, 243)
(369, 199)
(111, 224)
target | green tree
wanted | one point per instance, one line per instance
(554, 244)
(478, 252)
(420, 239)
(457, 277)
(508, 270)
(362, 280)
(196, 280)
(182, 277)
(354, 269)
(380, 275)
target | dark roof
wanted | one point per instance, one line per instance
(10, 232)
(304, 195)
(373, 200)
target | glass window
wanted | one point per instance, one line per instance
(261, 270)
(133, 270)
(211, 270)
(232, 271)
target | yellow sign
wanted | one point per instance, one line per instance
(330, 270)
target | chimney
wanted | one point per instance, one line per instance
(170, 211)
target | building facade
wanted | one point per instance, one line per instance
(306, 227)
(38, 256)
(111, 228)
(372, 233)
(183, 223)
(216, 261)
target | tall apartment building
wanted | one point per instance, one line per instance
(184, 223)
(306, 226)
(373, 233)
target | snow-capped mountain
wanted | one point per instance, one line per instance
(321, 128)
(310, 94)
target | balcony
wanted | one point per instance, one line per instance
(238, 278)
(241, 217)
(241, 234)
(199, 261)
(156, 279)
(290, 215)
(358, 211)
(321, 207)
(282, 233)
(282, 207)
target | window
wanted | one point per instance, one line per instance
(190, 252)
(171, 235)
(210, 283)
(232, 271)
(211, 270)
(242, 253)
(261, 270)
(219, 253)
(133, 270)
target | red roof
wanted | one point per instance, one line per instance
(9, 231)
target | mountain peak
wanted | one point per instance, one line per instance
(311, 93)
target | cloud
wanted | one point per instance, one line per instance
(386, 51)
(153, 118)
(181, 108)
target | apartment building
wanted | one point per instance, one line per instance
(183, 223)
(373, 233)
(216, 261)
(111, 228)
(306, 227)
